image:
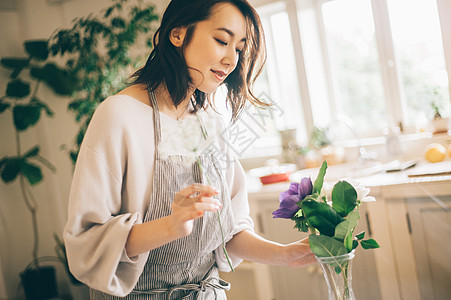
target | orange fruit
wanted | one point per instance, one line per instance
(435, 152)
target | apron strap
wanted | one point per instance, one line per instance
(212, 283)
(156, 122)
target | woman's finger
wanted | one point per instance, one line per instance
(206, 206)
(198, 189)
(210, 200)
(304, 261)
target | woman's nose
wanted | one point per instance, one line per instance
(231, 57)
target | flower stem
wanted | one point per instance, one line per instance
(312, 229)
(219, 220)
(223, 243)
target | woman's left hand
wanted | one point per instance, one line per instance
(298, 254)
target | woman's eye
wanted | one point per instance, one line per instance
(221, 42)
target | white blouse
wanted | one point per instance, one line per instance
(112, 186)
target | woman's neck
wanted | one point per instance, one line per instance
(166, 105)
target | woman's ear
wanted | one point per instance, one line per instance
(177, 36)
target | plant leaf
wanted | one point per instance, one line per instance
(344, 230)
(360, 235)
(348, 241)
(32, 152)
(17, 88)
(324, 246)
(43, 106)
(321, 216)
(301, 224)
(14, 62)
(4, 106)
(355, 244)
(25, 116)
(32, 172)
(9, 168)
(17, 64)
(344, 198)
(318, 185)
(59, 80)
(37, 49)
(118, 22)
(369, 244)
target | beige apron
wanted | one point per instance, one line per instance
(184, 268)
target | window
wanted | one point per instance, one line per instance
(418, 47)
(374, 63)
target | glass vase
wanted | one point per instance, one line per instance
(337, 272)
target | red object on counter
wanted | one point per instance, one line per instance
(274, 178)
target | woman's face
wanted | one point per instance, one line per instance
(213, 52)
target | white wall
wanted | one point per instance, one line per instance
(35, 19)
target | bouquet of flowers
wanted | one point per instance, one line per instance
(331, 215)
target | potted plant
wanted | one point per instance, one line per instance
(439, 124)
(103, 50)
(22, 100)
(78, 290)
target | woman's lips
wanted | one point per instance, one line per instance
(219, 74)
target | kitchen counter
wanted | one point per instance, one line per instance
(407, 202)
(423, 173)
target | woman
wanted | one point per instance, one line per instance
(143, 217)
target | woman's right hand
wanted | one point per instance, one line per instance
(190, 204)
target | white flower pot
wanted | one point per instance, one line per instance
(440, 125)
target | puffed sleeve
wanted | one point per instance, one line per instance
(236, 182)
(97, 228)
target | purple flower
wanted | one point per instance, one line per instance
(288, 199)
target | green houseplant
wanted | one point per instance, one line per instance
(100, 52)
(22, 100)
(103, 50)
(439, 123)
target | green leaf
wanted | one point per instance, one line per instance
(4, 106)
(318, 185)
(369, 244)
(43, 106)
(25, 116)
(348, 241)
(355, 244)
(298, 214)
(32, 152)
(59, 80)
(108, 12)
(14, 62)
(360, 235)
(300, 224)
(32, 172)
(344, 198)
(321, 216)
(17, 64)
(118, 22)
(344, 230)
(17, 88)
(37, 49)
(324, 246)
(10, 168)
(73, 154)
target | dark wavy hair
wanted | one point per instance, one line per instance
(166, 64)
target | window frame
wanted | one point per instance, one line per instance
(395, 103)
